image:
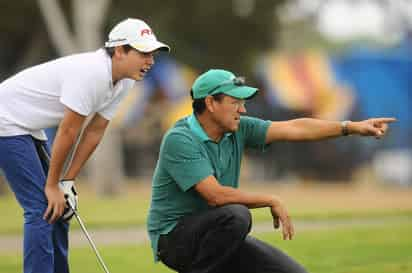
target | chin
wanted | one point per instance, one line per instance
(137, 76)
(229, 127)
(234, 128)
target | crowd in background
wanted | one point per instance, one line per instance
(357, 84)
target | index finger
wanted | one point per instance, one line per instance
(285, 232)
(57, 212)
(291, 231)
(384, 120)
(286, 229)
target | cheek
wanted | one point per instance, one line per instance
(135, 62)
(229, 117)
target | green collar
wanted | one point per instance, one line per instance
(196, 128)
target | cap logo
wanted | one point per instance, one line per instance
(145, 31)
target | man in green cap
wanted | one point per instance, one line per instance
(199, 220)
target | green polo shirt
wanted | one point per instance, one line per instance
(187, 156)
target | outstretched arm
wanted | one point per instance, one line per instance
(308, 129)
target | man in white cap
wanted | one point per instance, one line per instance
(63, 93)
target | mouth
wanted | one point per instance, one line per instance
(143, 71)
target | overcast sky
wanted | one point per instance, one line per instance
(351, 19)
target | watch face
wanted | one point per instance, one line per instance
(344, 125)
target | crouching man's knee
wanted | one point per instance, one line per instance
(240, 219)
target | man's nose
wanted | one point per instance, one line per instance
(242, 108)
(150, 59)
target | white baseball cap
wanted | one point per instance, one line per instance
(137, 34)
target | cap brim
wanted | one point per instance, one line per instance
(242, 92)
(150, 46)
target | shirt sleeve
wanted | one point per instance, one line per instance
(79, 96)
(185, 160)
(109, 110)
(253, 131)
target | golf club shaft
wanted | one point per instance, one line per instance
(99, 258)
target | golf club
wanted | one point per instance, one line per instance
(79, 220)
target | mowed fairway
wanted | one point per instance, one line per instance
(304, 201)
(381, 244)
(375, 249)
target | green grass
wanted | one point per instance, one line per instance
(384, 249)
(124, 212)
(372, 249)
(131, 210)
(263, 215)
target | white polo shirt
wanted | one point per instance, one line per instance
(34, 99)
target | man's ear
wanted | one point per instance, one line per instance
(118, 52)
(209, 102)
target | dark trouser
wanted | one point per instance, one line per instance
(216, 241)
(45, 245)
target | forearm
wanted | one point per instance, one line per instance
(63, 143)
(229, 195)
(87, 145)
(306, 129)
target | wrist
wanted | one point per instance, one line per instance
(274, 202)
(51, 187)
(52, 182)
(67, 179)
(345, 127)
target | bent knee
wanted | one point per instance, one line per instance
(240, 216)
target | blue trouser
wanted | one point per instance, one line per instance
(45, 245)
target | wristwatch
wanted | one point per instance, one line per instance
(344, 126)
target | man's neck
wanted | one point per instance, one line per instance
(212, 130)
(116, 75)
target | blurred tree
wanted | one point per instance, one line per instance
(203, 34)
(23, 36)
(212, 33)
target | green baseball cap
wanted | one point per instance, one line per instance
(217, 81)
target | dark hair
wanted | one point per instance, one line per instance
(199, 105)
(110, 50)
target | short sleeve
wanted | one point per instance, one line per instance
(253, 132)
(109, 110)
(183, 158)
(79, 96)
